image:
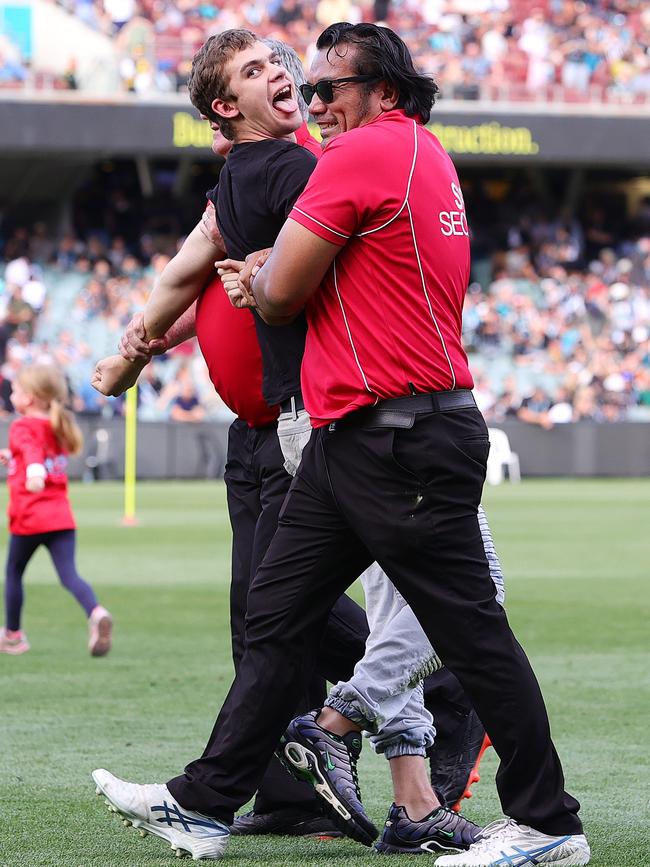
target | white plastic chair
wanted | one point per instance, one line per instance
(501, 457)
(98, 464)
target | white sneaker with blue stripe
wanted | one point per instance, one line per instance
(506, 843)
(152, 809)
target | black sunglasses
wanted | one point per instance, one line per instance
(325, 87)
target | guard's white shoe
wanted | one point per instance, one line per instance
(152, 809)
(506, 843)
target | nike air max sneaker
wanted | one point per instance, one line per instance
(441, 830)
(152, 810)
(329, 763)
(506, 843)
(455, 761)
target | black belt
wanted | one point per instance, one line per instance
(292, 404)
(401, 411)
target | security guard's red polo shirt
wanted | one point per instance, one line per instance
(387, 318)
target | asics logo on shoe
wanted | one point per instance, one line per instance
(520, 857)
(329, 764)
(174, 816)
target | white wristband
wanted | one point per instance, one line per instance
(36, 471)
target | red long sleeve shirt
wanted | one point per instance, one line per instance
(32, 441)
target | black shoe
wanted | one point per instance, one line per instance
(285, 822)
(455, 760)
(329, 763)
(440, 831)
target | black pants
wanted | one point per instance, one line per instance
(256, 485)
(407, 498)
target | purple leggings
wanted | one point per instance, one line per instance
(61, 545)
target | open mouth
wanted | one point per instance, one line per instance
(327, 126)
(284, 101)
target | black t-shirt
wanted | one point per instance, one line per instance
(257, 189)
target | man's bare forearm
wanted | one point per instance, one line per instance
(180, 283)
(292, 273)
(183, 329)
(114, 375)
(170, 312)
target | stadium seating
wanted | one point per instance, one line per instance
(579, 334)
(528, 50)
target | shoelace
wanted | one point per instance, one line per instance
(486, 840)
(355, 779)
(453, 820)
(352, 759)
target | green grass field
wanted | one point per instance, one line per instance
(576, 556)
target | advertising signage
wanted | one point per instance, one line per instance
(471, 133)
(491, 138)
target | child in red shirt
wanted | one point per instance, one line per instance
(39, 509)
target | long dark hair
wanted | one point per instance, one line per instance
(381, 53)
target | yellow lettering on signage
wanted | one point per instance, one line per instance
(188, 131)
(485, 138)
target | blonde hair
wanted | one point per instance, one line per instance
(47, 384)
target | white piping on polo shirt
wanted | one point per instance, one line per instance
(318, 223)
(426, 295)
(347, 328)
(408, 190)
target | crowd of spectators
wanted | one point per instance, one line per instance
(556, 322)
(576, 50)
(74, 330)
(557, 342)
